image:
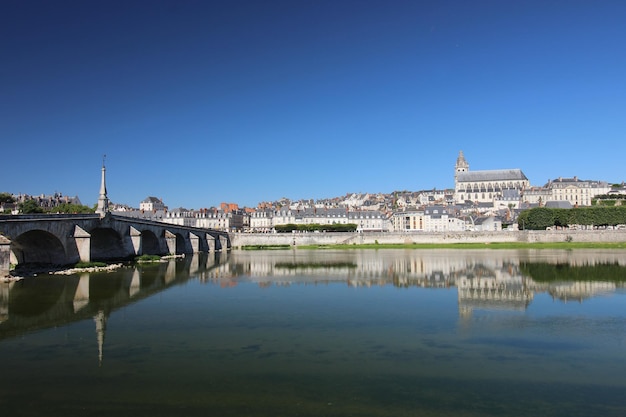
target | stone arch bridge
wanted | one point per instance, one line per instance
(64, 239)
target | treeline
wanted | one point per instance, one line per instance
(315, 227)
(546, 272)
(540, 218)
(31, 206)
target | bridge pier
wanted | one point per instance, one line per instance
(195, 243)
(67, 239)
(83, 244)
(210, 240)
(5, 256)
(135, 239)
(223, 243)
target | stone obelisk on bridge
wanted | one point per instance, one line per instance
(103, 200)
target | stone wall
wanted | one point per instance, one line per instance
(298, 239)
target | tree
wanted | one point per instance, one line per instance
(29, 207)
(536, 219)
(541, 217)
(6, 198)
(72, 208)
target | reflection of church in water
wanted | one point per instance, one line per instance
(483, 279)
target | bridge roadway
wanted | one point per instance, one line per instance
(65, 239)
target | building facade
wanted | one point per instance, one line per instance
(152, 204)
(366, 220)
(575, 191)
(486, 186)
(439, 219)
(408, 221)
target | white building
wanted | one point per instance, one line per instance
(366, 220)
(487, 224)
(152, 204)
(180, 217)
(261, 221)
(577, 192)
(408, 221)
(216, 219)
(230, 221)
(439, 219)
(572, 190)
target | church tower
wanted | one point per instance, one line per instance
(103, 200)
(461, 166)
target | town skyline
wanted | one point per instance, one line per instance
(268, 202)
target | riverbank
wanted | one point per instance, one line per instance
(431, 239)
(496, 245)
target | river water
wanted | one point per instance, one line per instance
(322, 333)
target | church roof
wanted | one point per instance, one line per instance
(494, 175)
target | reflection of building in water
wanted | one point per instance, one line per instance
(423, 268)
(485, 279)
(425, 271)
(493, 287)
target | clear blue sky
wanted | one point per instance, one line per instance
(202, 102)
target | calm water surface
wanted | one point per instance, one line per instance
(322, 333)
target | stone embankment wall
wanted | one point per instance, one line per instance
(298, 239)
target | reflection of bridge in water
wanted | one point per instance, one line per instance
(484, 279)
(43, 302)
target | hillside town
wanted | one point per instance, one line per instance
(481, 200)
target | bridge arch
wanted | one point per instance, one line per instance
(38, 247)
(150, 244)
(61, 240)
(181, 245)
(107, 244)
(32, 298)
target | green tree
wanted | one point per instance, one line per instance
(541, 217)
(6, 198)
(72, 208)
(536, 218)
(29, 207)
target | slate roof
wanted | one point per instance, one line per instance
(495, 175)
(559, 204)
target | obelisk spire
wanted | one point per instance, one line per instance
(103, 200)
(101, 326)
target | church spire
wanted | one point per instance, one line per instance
(103, 200)
(461, 165)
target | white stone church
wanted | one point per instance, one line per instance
(490, 186)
